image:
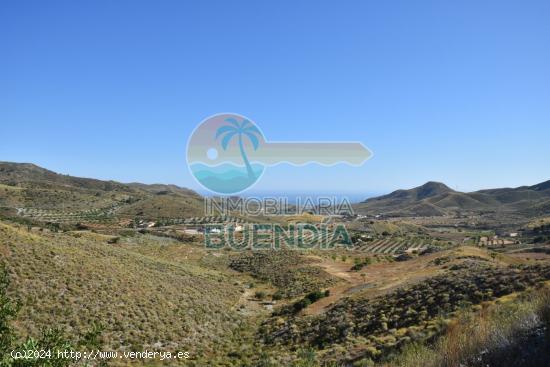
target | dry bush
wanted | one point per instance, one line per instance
(142, 299)
(493, 336)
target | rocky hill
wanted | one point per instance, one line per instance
(434, 199)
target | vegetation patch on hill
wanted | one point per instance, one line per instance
(287, 270)
(142, 301)
(359, 327)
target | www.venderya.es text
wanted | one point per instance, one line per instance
(46, 354)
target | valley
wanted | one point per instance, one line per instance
(128, 262)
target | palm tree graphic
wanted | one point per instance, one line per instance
(245, 128)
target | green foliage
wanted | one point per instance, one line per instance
(301, 304)
(306, 358)
(8, 310)
(315, 296)
(52, 341)
(310, 298)
(360, 264)
(266, 361)
(92, 338)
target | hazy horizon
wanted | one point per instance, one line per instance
(292, 194)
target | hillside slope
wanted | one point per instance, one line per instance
(73, 280)
(434, 199)
(25, 185)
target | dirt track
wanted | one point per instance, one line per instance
(373, 280)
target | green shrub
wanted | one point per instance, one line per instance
(301, 304)
(306, 358)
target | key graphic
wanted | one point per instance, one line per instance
(227, 153)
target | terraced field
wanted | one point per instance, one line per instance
(110, 213)
(201, 220)
(91, 215)
(392, 246)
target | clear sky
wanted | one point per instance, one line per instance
(457, 92)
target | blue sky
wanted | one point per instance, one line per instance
(457, 92)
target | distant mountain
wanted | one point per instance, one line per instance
(435, 199)
(543, 186)
(427, 190)
(25, 185)
(164, 189)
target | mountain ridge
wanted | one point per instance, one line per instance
(436, 198)
(29, 185)
(26, 185)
